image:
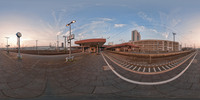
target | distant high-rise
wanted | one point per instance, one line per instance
(135, 36)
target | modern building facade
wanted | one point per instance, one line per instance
(157, 45)
(135, 36)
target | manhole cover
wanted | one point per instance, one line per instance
(107, 67)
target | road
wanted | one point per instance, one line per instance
(89, 77)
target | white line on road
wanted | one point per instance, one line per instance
(148, 83)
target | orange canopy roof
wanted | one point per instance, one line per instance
(91, 42)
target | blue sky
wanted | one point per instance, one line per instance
(42, 20)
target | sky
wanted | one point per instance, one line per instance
(44, 20)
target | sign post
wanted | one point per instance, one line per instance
(69, 38)
(18, 38)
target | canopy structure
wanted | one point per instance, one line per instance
(91, 45)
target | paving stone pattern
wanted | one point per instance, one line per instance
(50, 77)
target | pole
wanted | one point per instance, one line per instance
(19, 48)
(174, 41)
(57, 43)
(70, 37)
(65, 43)
(7, 44)
(36, 45)
(70, 40)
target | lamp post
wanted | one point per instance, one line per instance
(70, 38)
(65, 43)
(18, 37)
(174, 41)
(7, 44)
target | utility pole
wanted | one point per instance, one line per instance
(36, 45)
(174, 41)
(7, 44)
(57, 43)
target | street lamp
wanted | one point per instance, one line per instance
(70, 38)
(18, 37)
(174, 41)
(7, 44)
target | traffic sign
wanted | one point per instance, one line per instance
(70, 37)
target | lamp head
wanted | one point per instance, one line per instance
(19, 34)
(73, 21)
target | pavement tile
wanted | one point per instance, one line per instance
(108, 82)
(36, 84)
(69, 84)
(96, 83)
(83, 89)
(165, 88)
(125, 86)
(4, 86)
(105, 89)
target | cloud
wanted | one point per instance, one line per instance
(150, 32)
(94, 29)
(106, 19)
(175, 22)
(119, 25)
(144, 16)
(165, 34)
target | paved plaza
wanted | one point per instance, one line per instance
(89, 76)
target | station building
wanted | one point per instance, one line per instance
(124, 47)
(157, 45)
(91, 45)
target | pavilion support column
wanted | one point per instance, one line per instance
(97, 49)
(83, 50)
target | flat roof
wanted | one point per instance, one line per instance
(91, 42)
(98, 40)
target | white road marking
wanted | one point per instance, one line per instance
(154, 69)
(163, 67)
(127, 65)
(130, 66)
(149, 70)
(134, 68)
(149, 83)
(138, 69)
(167, 67)
(159, 68)
(143, 69)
